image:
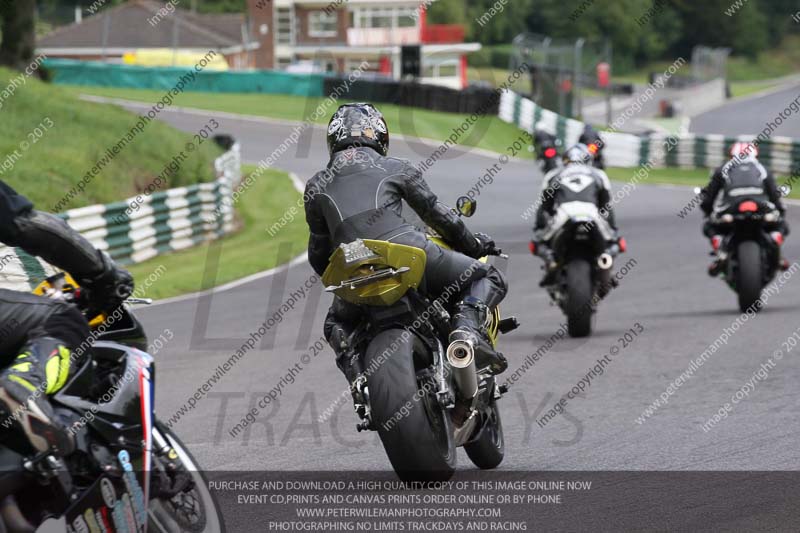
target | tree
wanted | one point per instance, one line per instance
(19, 33)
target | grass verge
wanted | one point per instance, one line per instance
(680, 176)
(780, 61)
(49, 140)
(488, 132)
(775, 63)
(248, 251)
(746, 88)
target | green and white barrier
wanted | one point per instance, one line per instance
(779, 154)
(143, 226)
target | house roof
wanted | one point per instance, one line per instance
(129, 25)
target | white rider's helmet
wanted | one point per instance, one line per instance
(577, 155)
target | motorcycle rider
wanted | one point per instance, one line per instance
(743, 174)
(360, 196)
(546, 146)
(591, 138)
(39, 351)
(576, 181)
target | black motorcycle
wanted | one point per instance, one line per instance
(546, 146)
(584, 250)
(129, 471)
(748, 248)
(423, 399)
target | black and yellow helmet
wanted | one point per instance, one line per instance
(358, 125)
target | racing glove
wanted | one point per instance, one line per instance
(110, 288)
(486, 246)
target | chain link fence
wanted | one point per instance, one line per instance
(561, 69)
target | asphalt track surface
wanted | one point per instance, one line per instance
(667, 292)
(752, 114)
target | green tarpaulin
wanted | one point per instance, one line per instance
(70, 72)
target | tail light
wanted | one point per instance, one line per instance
(593, 148)
(532, 247)
(550, 153)
(748, 207)
(777, 236)
(716, 242)
(623, 245)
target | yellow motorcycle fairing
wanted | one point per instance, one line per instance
(376, 273)
(63, 282)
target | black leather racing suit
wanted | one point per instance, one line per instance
(737, 180)
(34, 330)
(360, 195)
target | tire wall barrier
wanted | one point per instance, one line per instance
(413, 94)
(779, 154)
(143, 226)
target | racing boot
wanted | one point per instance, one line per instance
(41, 368)
(346, 358)
(469, 324)
(550, 266)
(779, 236)
(716, 266)
(349, 362)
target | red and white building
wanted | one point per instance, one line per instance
(339, 35)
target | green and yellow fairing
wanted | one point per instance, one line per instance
(379, 273)
(376, 273)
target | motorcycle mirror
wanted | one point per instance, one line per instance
(466, 206)
(785, 190)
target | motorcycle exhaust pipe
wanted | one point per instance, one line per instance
(605, 261)
(461, 356)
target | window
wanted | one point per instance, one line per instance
(448, 70)
(321, 24)
(352, 65)
(383, 18)
(284, 23)
(407, 17)
(406, 21)
(440, 69)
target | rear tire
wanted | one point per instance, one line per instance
(416, 431)
(749, 276)
(579, 298)
(488, 450)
